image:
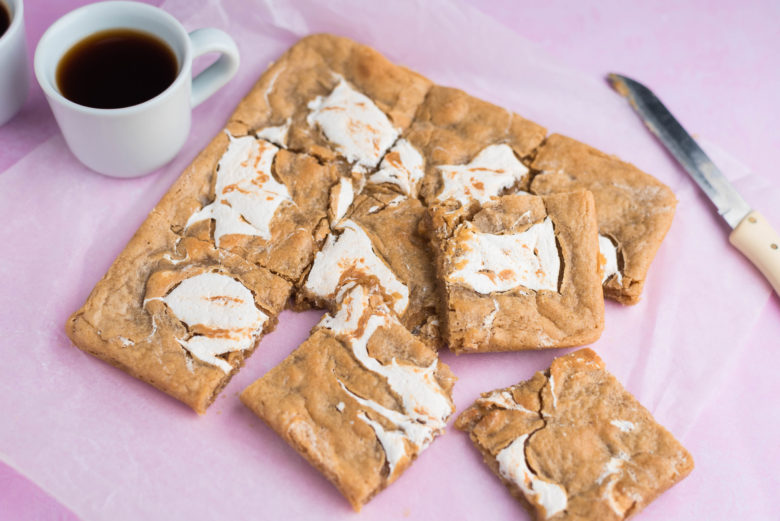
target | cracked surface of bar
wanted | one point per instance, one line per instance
(572, 444)
(359, 399)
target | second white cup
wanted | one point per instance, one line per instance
(14, 74)
(132, 141)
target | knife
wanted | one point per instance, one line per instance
(751, 234)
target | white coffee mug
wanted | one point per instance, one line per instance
(14, 76)
(132, 141)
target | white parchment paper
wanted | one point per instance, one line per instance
(111, 447)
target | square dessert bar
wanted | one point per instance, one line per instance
(376, 242)
(634, 209)
(359, 399)
(572, 444)
(178, 313)
(518, 272)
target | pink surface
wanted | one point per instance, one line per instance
(697, 351)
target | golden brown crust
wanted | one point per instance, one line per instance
(392, 221)
(117, 326)
(633, 208)
(304, 400)
(392, 225)
(451, 127)
(591, 437)
(308, 70)
(292, 244)
(521, 318)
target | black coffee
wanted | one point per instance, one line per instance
(116, 68)
(5, 18)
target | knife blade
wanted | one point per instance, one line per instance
(752, 234)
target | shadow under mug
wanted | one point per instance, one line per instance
(132, 141)
(14, 76)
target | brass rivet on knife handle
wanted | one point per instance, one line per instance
(758, 241)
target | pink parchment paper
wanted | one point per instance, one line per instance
(110, 447)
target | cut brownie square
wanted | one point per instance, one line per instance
(359, 399)
(518, 272)
(573, 444)
(472, 149)
(182, 319)
(335, 99)
(634, 209)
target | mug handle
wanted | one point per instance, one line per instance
(218, 73)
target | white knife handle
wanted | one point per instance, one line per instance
(760, 243)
